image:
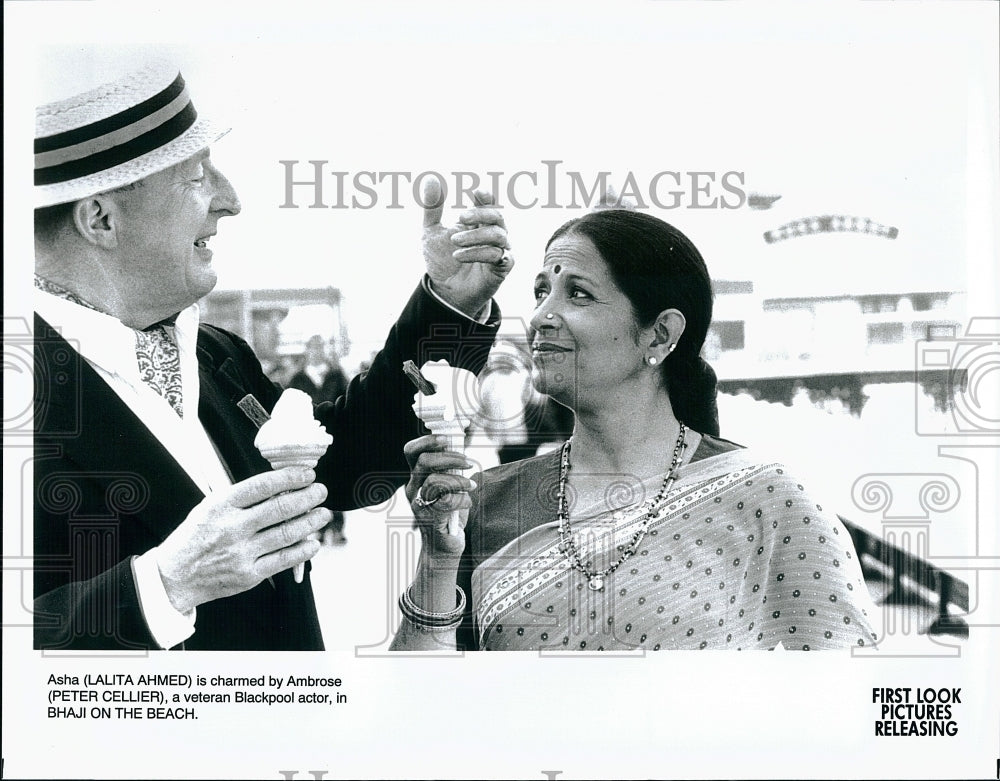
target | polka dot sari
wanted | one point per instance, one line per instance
(737, 556)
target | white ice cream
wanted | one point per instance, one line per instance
(292, 425)
(453, 403)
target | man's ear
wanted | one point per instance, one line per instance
(667, 330)
(96, 220)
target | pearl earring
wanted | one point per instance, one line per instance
(671, 348)
(651, 360)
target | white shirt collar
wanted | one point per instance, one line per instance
(104, 340)
(316, 373)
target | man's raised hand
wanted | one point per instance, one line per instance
(466, 262)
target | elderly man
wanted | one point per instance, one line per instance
(157, 522)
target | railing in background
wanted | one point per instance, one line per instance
(912, 581)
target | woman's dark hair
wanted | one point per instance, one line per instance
(657, 267)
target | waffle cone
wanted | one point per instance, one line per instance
(293, 455)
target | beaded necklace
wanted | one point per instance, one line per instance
(595, 580)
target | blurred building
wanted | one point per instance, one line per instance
(829, 302)
(278, 323)
(817, 305)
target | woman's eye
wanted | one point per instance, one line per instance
(579, 293)
(540, 293)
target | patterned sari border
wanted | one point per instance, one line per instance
(523, 576)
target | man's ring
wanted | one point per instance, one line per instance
(503, 256)
(420, 502)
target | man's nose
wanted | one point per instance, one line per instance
(224, 198)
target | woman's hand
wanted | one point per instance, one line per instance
(434, 493)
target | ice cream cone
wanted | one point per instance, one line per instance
(293, 437)
(282, 456)
(447, 412)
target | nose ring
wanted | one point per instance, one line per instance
(548, 316)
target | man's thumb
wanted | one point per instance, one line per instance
(433, 198)
(483, 198)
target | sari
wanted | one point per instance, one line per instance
(737, 555)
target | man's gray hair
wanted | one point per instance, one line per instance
(50, 219)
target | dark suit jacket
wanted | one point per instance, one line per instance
(106, 490)
(333, 386)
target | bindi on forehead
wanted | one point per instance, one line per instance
(556, 269)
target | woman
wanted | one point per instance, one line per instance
(646, 530)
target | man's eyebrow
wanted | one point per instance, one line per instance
(196, 159)
(192, 164)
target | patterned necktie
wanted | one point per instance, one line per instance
(160, 363)
(155, 349)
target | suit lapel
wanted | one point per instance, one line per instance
(98, 440)
(77, 412)
(231, 431)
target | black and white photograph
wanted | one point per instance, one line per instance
(585, 331)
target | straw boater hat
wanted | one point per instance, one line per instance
(116, 134)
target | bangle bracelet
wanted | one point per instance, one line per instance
(434, 629)
(418, 615)
(432, 616)
(415, 617)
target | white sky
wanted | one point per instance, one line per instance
(865, 114)
(885, 110)
(861, 128)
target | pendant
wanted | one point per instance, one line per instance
(596, 583)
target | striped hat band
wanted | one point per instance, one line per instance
(116, 139)
(115, 132)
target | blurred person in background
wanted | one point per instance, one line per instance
(323, 379)
(320, 375)
(519, 420)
